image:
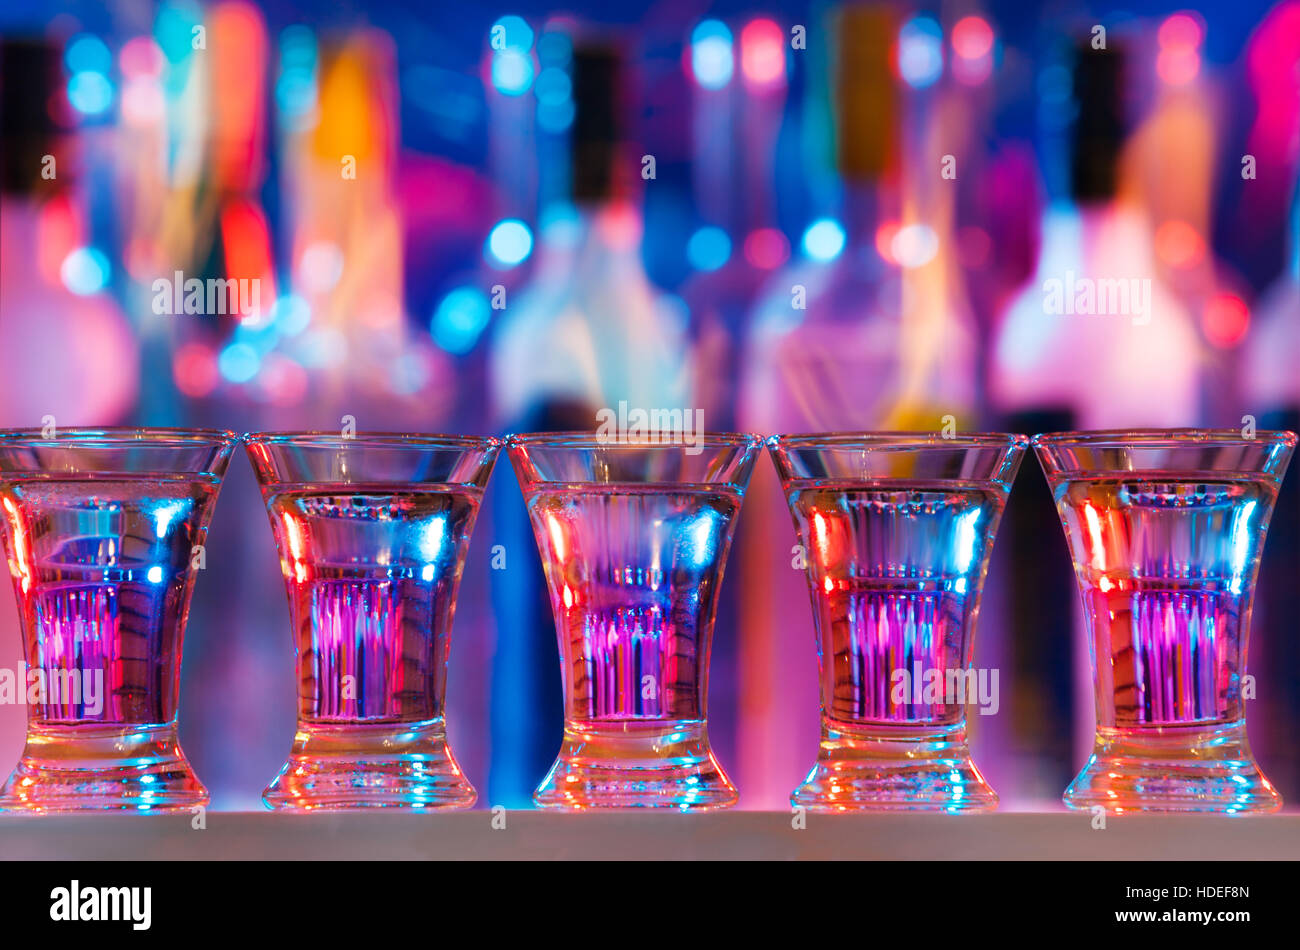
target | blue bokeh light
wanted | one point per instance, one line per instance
(90, 93)
(712, 61)
(920, 52)
(85, 271)
(460, 319)
(824, 239)
(512, 72)
(708, 249)
(509, 243)
(239, 362)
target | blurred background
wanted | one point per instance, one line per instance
(482, 218)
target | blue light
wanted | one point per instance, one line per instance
(554, 86)
(518, 34)
(174, 31)
(555, 117)
(155, 575)
(920, 52)
(459, 320)
(824, 239)
(85, 271)
(88, 54)
(510, 243)
(555, 49)
(708, 249)
(711, 58)
(290, 315)
(90, 93)
(297, 48)
(238, 362)
(512, 72)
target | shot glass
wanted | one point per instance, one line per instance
(1165, 529)
(634, 538)
(896, 531)
(103, 529)
(372, 532)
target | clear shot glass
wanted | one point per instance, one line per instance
(372, 532)
(896, 531)
(103, 531)
(634, 538)
(1165, 528)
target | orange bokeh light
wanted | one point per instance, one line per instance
(1179, 245)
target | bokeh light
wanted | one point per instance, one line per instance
(460, 319)
(86, 271)
(762, 53)
(712, 61)
(509, 243)
(920, 52)
(708, 248)
(824, 239)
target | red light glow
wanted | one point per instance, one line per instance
(1225, 320)
(766, 248)
(762, 53)
(972, 37)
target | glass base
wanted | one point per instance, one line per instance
(1178, 768)
(102, 768)
(895, 768)
(636, 765)
(388, 765)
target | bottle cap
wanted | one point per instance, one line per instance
(1099, 126)
(597, 121)
(30, 76)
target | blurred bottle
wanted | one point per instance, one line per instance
(588, 333)
(1093, 340)
(845, 338)
(1080, 335)
(735, 131)
(69, 353)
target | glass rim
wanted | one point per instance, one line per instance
(1161, 438)
(332, 440)
(897, 440)
(593, 440)
(117, 437)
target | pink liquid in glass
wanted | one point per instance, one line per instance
(634, 574)
(101, 569)
(895, 572)
(1166, 567)
(371, 572)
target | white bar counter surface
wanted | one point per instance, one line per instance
(736, 835)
